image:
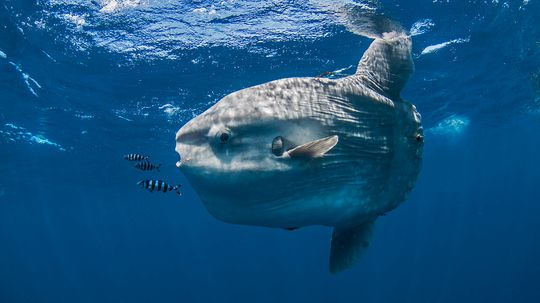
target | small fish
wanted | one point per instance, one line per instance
(146, 165)
(135, 157)
(158, 185)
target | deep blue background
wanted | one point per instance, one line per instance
(74, 227)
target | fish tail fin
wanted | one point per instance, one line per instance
(177, 189)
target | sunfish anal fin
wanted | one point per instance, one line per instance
(348, 244)
(313, 149)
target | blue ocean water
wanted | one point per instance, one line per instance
(84, 82)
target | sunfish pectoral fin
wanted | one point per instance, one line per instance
(313, 149)
(348, 244)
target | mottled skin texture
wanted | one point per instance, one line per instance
(369, 172)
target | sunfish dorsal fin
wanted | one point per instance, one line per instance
(348, 244)
(313, 149)
(387, 64)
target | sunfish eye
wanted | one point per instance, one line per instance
(224, 137)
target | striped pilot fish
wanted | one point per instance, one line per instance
(147, 166)
(158, 185)
(135, 157)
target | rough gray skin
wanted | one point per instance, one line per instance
(369, 172)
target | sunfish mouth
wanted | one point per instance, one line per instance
(182, 162)
(179, 162)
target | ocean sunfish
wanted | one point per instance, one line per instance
(311, 151)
